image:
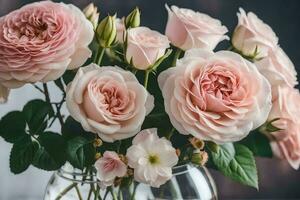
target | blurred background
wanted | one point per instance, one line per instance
(277, 179)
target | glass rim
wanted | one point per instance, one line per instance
(92, 178)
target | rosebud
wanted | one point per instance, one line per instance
(97, 142)
(197, 144)
(92, 14)
(106, 32)
(133, 19)
(200, 158)
(97, 156)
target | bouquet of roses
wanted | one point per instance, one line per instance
(141, 102)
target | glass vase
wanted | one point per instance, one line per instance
(188, 182)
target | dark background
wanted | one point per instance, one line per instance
(277, 179)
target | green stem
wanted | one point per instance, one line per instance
(78, 192)
(97, 193)
(106, 193)
(90, 192)
(170, 134)
(46, 92)
(147, 72)
(134, 191)
(113, 194)
(65, 191)
(99, 55)
(176, 56)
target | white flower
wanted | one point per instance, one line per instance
(152, 158)
(109, 167)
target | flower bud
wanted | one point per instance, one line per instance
(200, 158)
(133, 19)
(4, 92)
(92, 14)
(106, 32)
(197, 144)
(117, 181)
(97, 156)
(178, 152)
(97, 142)
(123, 158)
(130, 172)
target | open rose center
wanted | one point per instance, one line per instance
(109, 165)
(215, 85)
(109, 95)
(30, 27)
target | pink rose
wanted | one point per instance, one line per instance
(286, 142)
(4, 92)
(145, 47)
(120, 29)
(40, 41)
(252, 34)
(108, 101)
(278, 68)
(219, 96)
(187, 29)
(109, 167)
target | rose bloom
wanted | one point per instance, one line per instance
(278, 68)
(40, 41)
(286, 142)
(109, 167)
(252, 33)
(187, 29)
(152, 158)
(108, 101)
(4, 92)
(120, 29)
(145, 47)
(219, 96)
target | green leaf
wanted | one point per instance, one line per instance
(58, 82)
(72, 128)
(51, 154)
(22, 154)
(68, 76)
(236, 162)
(80, 152)
(259, 144)
(35, 113)
(12, 127)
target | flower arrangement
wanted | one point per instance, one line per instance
(141, 102)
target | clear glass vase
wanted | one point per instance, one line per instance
(188, 182)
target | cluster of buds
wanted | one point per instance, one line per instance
(92, 14)
(106, 32)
